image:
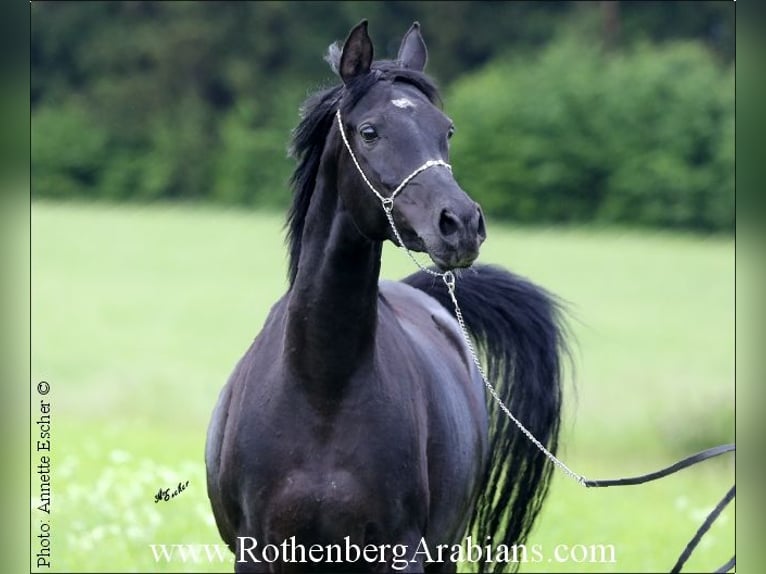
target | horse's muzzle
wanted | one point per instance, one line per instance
(460, 235)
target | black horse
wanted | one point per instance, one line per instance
(357, 417)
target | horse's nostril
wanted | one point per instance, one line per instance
(448, 223)
(482, 231)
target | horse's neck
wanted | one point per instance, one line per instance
(332, 309)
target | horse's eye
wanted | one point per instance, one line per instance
(369, 134)
(450, 132)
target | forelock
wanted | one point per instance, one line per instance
(332, 57)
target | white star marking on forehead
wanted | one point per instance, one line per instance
(403, 103)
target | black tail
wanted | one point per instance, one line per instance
(518, 331)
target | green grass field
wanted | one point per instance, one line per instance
(139, 314)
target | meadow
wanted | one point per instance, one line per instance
(139, 313)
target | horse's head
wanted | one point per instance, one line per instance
(393, 128)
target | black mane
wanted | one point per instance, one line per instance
(308, 138)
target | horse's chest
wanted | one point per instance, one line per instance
(337, 470)
(362, 431)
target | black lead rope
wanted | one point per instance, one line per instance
(680, 465)
(728, 566)
(702, 530)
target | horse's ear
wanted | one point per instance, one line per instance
(356, 57)
(413, 53)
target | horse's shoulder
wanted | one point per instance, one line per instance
(420, 311)
(405, 299)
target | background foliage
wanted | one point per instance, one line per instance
(608, 112)
(645, 136)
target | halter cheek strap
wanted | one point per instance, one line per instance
(387, 202)
(388, 205)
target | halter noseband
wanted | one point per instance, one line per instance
(387, 202)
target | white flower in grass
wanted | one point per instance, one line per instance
(104, 484)
(155, 518)
(167, 475)
(68, 466)
(134, 533)
(98, 533)
(118, 456)
(75, 493)
(80, 542)
(147, 470)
